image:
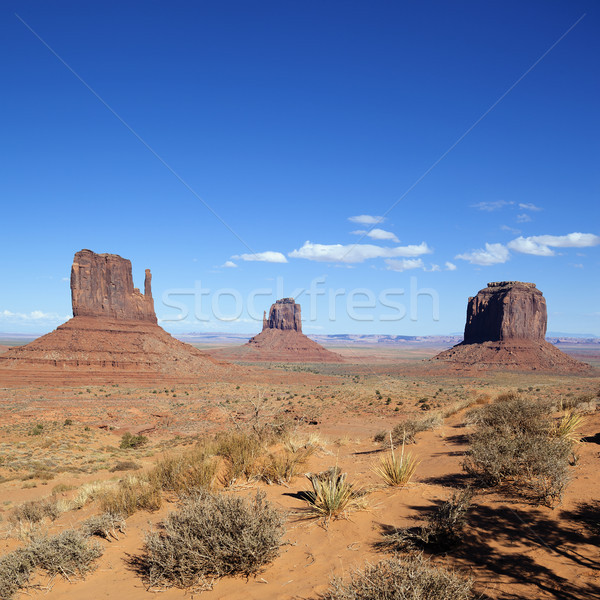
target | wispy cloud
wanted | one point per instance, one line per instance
(492, 254)
(541, 245)
(355, 253)
(523, 218)
(229, 264)
(366, 219)
(490, 206)
(34, 315)
(404, 264)
(268, 256)
(378, 234)
(529, 206)
(511, 229)
(450, 266)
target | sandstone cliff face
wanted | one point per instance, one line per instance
(506, 310)
(102, 286)
(284, 315)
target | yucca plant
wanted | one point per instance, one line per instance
(396, 470)
(568, 427)
(332, 495)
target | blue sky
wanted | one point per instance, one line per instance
(300, 124)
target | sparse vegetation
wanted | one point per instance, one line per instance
(107, 526)
(515, 442)
(211, 536)
(396, 470)
(442, 529)
(281, 467)
(132, 441)
(406, 431)
(132, 494)
(35, 511)
(184, 472)
(400, 578)
(332, 495)
(69, 554)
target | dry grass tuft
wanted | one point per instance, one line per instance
(107, 526)
(35, 511)
(131, 495)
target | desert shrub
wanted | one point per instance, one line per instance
(282, 467)
(35, 511)
(396, 469)
(210, 536)
(184, 472)
(400, 578)
(132, 441)
(125, 465)
(132, 494)
(406, 432)
(441, 530)
(68, 554)
(514, 442)
(15, 571)
(242, 451)
(107, 525)
(332, 495)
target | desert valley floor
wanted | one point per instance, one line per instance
(60, 440)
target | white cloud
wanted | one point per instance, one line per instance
(268, 256)
(355, 253)
(433, 269)
(491, 206)
(367, 219)
(541, 245)
(529, 206)
(511, 229)
(450, 266)
(34, 315)
(493, 254)
(378, 234)
(523, 218)
(229, 264)
(403, 264)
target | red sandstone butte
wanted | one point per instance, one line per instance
(505, 329)
(281, 339)
(113, 329)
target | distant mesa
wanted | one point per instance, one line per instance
(281, 339)
(113, 329)
(505, 329)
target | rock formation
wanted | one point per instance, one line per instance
(102, 286)
(281, 339)
(505, 329)
(506, 310)
(114, 329)
(284, 315)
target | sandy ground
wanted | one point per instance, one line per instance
(512, 548)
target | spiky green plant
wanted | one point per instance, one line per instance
(396, 470)
(332, 496)
(569, 426)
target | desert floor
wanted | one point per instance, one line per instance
(58, 434)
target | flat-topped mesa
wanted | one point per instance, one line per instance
(284, 315)
(506, 310)
(102, 286)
